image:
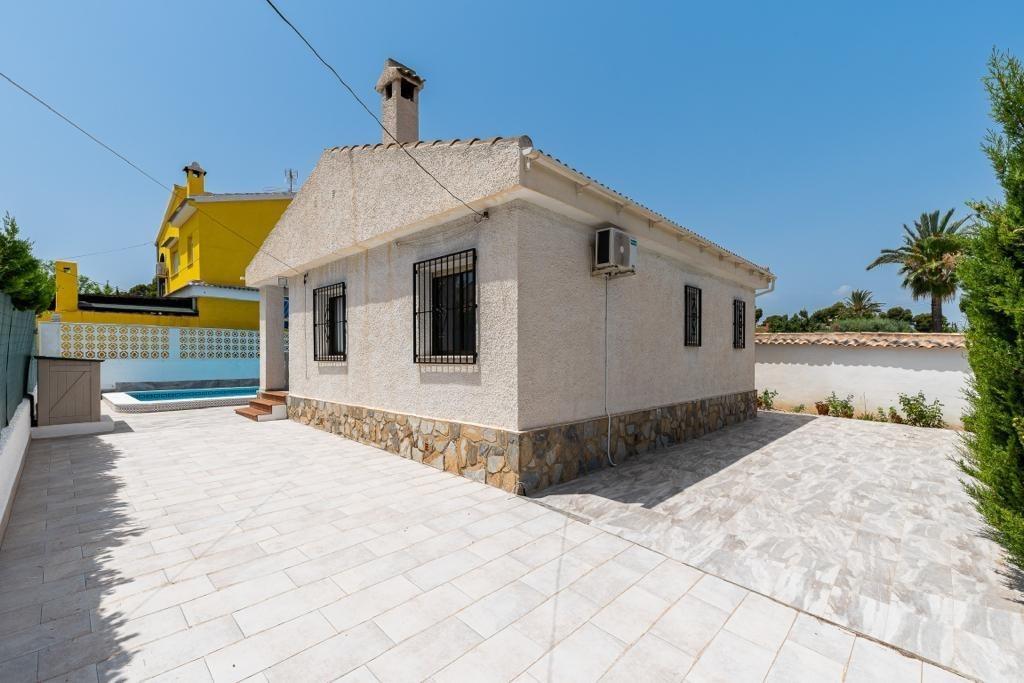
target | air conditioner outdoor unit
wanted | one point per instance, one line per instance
(615, 252)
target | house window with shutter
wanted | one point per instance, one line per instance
(444, 309)
(330, 323)
(739, 324)
(692, 311)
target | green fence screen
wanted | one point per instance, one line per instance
(17, 336)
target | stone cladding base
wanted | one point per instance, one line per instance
(527, 461)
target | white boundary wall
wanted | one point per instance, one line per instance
(14, 440)
(153, 353)
(875, 376)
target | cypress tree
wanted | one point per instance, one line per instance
(992, 275)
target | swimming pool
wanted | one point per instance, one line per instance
(178, 399)
(178, 394)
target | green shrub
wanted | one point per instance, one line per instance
(872, 325)
(919, 413)
(800, 408)
(840, 407)
(992, 274)
(766, 399)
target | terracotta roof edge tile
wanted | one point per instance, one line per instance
(898, 340)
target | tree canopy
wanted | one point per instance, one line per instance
(23, 277)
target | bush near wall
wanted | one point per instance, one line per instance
(992, 275)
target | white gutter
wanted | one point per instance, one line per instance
(769, 290)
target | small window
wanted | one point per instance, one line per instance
(387, 91)
(444, 315)
(408, 90)
(739, 324)
(190, 251)
(692, 315)
(330, 323)
(175, 262)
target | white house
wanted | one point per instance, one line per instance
(482, 340)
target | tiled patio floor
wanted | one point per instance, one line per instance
(198, 546)
(862, 523)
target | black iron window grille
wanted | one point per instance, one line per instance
(739, 324)
(330, 323)
(444, 324)
(692, 315)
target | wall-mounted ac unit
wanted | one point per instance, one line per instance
(615, 252)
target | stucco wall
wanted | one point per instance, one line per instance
(541, 321)
(358, 196)
(875, 376)
(379, 372)
(561, 329)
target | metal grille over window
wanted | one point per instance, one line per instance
(444, 324)
(692, 315)
(739, 324)
(330, 323)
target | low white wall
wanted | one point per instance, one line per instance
(154, 353)
(14, 440)
(875, 376)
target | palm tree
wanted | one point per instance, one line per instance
(927, 259)
(861, 304)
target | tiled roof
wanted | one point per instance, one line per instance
(893, 340)
(231, 196)
(525, 142)
(433, 143)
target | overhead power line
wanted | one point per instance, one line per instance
(109, 251)
(132, 164)
(480, 215)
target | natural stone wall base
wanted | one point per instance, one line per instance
(523, 462)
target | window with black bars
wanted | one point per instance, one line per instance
(444, 324)
(739, 324)
(330, 323)
(692, 315)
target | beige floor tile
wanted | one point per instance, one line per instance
(500, 658)
(873, 662)
(690, 624)
(731, 659)
(583, 656)
(425, 653)
(650, 659)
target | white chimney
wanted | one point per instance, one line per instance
(399, 88)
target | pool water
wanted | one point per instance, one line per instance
(174, 394)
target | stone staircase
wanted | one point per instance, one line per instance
(269, 405)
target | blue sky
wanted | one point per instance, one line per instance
(801, 135)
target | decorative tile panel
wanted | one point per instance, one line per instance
(211, 342)
(89, 340)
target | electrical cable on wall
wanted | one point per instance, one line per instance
(607, 414)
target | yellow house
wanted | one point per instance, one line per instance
(204, 325)
(207, 239)
(204, 242)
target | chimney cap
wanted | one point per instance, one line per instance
(393, 70)
(194, 167)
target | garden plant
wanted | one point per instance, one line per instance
(992, 274)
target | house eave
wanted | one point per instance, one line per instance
(654, 221)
